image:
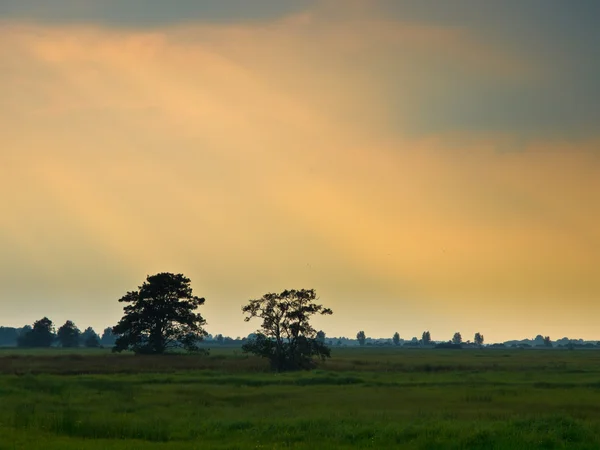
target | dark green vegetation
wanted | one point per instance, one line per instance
(160, 316)
(40, 335)
(361, 398)
(286, 337)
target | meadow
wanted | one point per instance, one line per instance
(361, 398)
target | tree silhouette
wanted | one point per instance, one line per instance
(547, 341)
(321, 336)
(108, 338)
(457, 338)
(68, 335)
(160, 316)
(396, 338)
(426, 338)
(40, 335)
(361, 337)
(90, 338)
(8, 336)
(286, 336)
(478, 339)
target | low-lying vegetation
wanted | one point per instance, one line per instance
(384, 398)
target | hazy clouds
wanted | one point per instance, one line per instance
(365, 156)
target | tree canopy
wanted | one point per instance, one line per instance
(361, 337)
(90, 338)
(286, 336)
(68, 335)
(321, 336)
(40, 335)
(426, 338)
(108, 338)
(159, 316)
(457, 338)
(478, 339)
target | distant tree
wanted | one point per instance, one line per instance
(219, 338)
(478, 339)
(68, 335)
(159, 316)
(426, 338)
(8, 336)
(286, 336)
(361, 337)
(40, 335)
(396, 338)
(547, 341)
(90, 338)
(108, 338)
(457, 338)
(24, 336)
(321, 337)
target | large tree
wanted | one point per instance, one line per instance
(396, 338)
(286, 336)
(159, 316)
(68, 335)
(40, 335)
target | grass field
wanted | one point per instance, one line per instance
(361, 398)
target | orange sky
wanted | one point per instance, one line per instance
(260, 156)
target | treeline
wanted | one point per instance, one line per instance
(43, 334)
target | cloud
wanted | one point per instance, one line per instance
(257, 157)
(146, 13)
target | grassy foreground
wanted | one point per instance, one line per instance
(371, 398)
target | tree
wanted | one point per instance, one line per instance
(321, 336)
(68, 335)
(23, 337)
(478, 339)
(90, 338)
(40, 335)
(108, 338)
(426, 338)
(396, 338)
(361, 337)
(457, 338)
(547, 341)
(159, 316)
(286, 336)
(8, 336)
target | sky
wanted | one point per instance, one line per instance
(422, 165)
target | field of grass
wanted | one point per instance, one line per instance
(361, 398)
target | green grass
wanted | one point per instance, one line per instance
(361, 398)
